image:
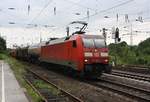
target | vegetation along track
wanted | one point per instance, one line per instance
(132, 92)
(62, 96)
(131, 75)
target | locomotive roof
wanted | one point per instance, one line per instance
(60, 40)
(93, 36)
(56, 41)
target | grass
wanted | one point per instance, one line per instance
(43, 85)
(19, 71)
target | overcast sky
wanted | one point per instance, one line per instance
(42, 21)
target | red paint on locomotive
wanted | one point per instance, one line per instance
(74, 52)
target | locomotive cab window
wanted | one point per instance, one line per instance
(88, 43)
(74, 44)
(94, 43)
(99, 43)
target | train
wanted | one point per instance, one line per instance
(79, 52)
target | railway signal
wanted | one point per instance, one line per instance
(104, 34)
(117, 38)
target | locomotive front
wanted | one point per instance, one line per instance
(94, 52)
(96, 59)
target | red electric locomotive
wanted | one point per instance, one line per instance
(82, 53)
(86, 54)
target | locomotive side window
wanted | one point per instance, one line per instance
(74, 44)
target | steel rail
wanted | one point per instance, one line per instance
(109, 85)
(69, 95)
(131, 75)
(32, 86)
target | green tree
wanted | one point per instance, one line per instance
(126, 54)
(123, 53)
(144, 47)
(2, 44)
(143, 51)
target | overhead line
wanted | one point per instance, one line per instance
(80, 5)
(41, 11)
(116, 6)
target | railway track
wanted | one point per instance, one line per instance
(123, 89)
(135, 69)
(131, 75)
(132, 92)
(46, 95)
(138, 66)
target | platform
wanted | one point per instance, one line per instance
(10, 91)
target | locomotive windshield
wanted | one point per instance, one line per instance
(93, 43)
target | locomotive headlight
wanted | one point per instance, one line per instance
(88, 54)
(106, 60)
(104, 54)
(85, 60)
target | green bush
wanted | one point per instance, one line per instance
(2, 44)
(126, 54)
